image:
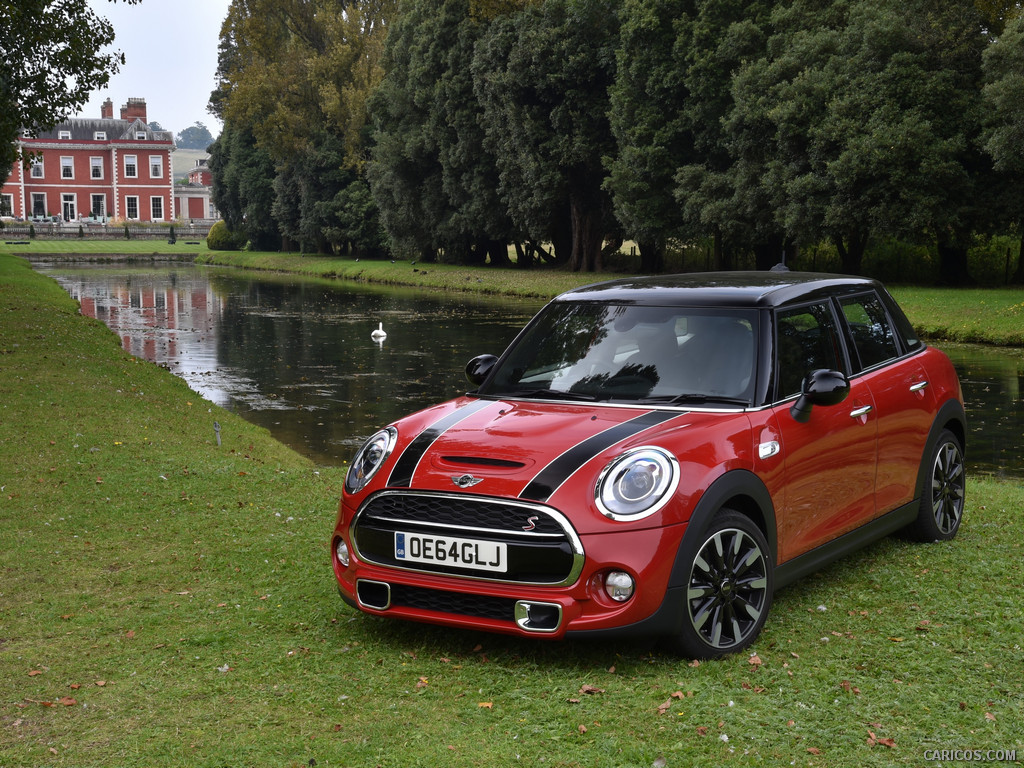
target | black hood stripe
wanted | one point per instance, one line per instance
(549, 479)
(405, 467)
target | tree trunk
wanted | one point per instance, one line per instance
(652, 256)
(953, 265)
(1018, 276)
(587, 235)
(497, 252)
(851, 251)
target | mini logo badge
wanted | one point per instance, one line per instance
(466, 481)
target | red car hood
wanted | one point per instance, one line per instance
(519, 449)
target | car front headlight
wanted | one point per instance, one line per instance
(637, 484)
(369, 459)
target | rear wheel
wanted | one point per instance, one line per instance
(943, 494)
(729, 589)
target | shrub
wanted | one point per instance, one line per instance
(221, 238)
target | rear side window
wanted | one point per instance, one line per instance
(806, 340)
(872, 334)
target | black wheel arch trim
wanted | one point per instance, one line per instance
(738, 489)
(950, 415)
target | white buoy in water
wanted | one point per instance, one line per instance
(380, 334)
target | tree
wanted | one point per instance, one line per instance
(862, 116)
(653, 136)
(1003, 94)
(244, 192)
(50, 62)
(721, 191)
(196, 136)
(542, 76)
(436, 183)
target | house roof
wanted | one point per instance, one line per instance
(85, 129)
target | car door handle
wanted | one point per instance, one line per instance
(856, 413)
(919, 386)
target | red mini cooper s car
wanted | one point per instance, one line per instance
(655, 456)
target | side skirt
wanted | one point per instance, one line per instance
(818, 558)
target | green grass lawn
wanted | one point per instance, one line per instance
(166, 601)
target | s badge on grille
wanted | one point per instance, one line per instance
(466, 481)
(531, 523)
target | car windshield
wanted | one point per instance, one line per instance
(627, 353)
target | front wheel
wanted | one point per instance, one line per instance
(942, 497)
(729, 589)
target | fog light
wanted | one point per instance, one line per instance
(341, 552)
(619, 586)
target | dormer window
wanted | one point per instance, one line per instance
(100, 136)
(140, 135)
(63, 134)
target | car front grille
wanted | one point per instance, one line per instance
(541, 546)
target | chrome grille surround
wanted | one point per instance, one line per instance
(468, 516)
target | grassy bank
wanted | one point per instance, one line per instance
(976, 315)
(167, 601)
(973, 315)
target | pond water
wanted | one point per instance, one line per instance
(295, 355)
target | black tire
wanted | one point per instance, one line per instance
(728, 588)
(942, 491)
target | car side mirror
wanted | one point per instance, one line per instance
(820, 387)
(479, 367)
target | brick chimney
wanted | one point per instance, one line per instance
(135, 108)
(107, 110)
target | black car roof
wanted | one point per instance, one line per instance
(734, 289)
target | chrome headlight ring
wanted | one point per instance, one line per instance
(369, 459)
(637, 483)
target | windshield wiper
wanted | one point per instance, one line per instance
(555, 394)
(694, 398)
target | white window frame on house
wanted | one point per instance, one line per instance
(6, 205)
(99, 136)
(67, 167)
(156, 208)
(131, 166)
(38, 169)
(63, 135)
(156, 167)
(69, 206)
(98, 208)
(140, 135)
(130, 202)
(39, 204)
(95, 167)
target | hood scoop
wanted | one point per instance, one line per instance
(482, 461)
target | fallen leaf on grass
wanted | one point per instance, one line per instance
(849, 688)
(591, 690)
(990, 716)
(754, 660)
(884, 741)
(486, 705)
(422, 683)
(67, 701)
(34, 672)
(582, 729)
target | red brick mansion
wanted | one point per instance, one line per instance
(85, 169)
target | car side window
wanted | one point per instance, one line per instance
(806, 340)
(872, 334)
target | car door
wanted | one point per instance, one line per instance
(830, 460)
(905, 405)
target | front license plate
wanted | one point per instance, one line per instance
(451, 551)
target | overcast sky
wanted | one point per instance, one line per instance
(170, 49)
